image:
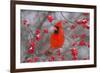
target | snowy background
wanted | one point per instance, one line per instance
(36, 29)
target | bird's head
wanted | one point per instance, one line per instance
(57, 27)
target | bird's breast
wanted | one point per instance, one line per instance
(57, 40)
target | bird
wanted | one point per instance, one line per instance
(57, 37)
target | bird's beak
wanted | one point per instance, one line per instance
(52, 29)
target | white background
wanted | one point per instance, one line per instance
(5, 36)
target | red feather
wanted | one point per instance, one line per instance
(57, 39)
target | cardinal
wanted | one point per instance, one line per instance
(57, 37)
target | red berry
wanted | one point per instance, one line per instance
(31, 50)
(25, 22)
(82, 43)
(45, 30)
(74, 52)
(84, 21)
(50, 18)
(78, 21)
(37, 31)
(74, 44)
(83, 35)
(75, 57)
(85, 26)
(58, 52)
(38, 37)
(35, 59)
(73, 27)
(74, 36)
(32, 44)
(52, 58)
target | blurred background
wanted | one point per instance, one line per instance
(37, 27)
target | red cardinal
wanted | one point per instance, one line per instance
(57, 37)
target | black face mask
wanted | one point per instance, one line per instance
(56, 31)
